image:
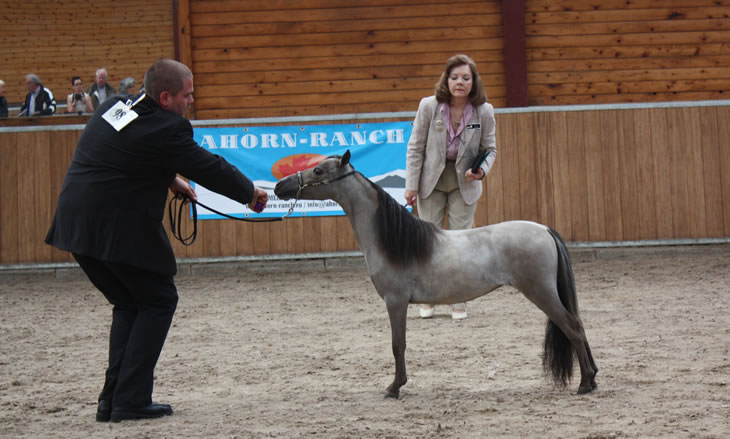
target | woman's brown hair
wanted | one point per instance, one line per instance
(477, 96)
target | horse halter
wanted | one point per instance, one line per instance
(302, 186)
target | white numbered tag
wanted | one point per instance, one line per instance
(119, 115)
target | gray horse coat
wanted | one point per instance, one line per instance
(412, 261)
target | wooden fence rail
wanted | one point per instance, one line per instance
(602, 174)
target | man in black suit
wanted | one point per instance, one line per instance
(109, 217)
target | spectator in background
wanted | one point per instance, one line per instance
(126, 87)
(3, 101)
(78, 101)
(100, 90)
(39, 101)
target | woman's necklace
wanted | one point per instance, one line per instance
(455, 116)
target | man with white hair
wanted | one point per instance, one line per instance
(39, 101)
(100, 90)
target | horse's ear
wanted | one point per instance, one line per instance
(345, 158)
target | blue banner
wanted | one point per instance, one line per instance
(268, 154)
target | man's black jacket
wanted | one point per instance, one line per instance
(113, 198)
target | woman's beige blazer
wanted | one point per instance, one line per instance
(426, 153)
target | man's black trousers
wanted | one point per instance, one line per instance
(144, 303)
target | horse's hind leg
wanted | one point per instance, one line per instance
(588, 369)
(572, 328)
(593, 363)
(397, 312)
(563, 325)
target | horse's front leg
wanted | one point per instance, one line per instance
(397, 312)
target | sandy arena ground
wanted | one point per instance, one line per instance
(257, 352)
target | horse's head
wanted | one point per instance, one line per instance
(314, 183)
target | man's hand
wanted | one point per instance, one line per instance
(181, 188)
(260, 198)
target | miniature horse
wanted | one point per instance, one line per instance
(413, 261)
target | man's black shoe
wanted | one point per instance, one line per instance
(152, 411)
(104, 411)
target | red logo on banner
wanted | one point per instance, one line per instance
(293, 163)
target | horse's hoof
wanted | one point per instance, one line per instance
(583, 389)
(392, 394)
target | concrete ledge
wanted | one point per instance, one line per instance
(20, 275)
(344, 261)
(231, 268)
(74, 273)
(306, 262)
(578, 254)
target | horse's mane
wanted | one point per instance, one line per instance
(403, 237)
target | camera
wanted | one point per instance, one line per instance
(77, 97)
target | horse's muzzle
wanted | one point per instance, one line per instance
(287, 188)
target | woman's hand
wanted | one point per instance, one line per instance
(471, 176)
(411, 197)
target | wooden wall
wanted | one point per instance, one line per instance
(60, 39)
(272, 58)
(301, 57)
(614, 175)
(352, 56)
(608, 51)
(600, 175)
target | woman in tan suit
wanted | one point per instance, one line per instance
(450, 130)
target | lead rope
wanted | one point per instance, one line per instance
(175, 213)
(176, 226)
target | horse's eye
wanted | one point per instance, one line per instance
(317, 171)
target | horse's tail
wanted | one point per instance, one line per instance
(558, 351)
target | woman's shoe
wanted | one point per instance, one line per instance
(426, 312)
(458, 311)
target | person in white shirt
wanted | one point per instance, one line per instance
(78, 101)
